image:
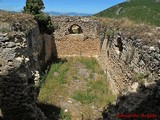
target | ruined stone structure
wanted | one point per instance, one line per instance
(24, 53)
(127, 58)
(77, 36)
(131, 60)
(22, 56)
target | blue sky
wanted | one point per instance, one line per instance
(81, 6)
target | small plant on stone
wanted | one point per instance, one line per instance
(138, 77)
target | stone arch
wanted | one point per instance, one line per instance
(75, 29)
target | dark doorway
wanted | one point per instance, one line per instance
(75, 29)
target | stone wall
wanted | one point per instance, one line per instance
(140, 105)
(23, 53)
(84, 43)
(131, 59)
(129, 56)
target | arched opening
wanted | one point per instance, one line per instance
(119, 44)
(75, 29)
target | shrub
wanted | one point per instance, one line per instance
(44, 22)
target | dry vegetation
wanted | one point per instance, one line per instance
(148, 34)
(8, 19)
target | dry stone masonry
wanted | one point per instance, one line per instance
(21, 60)
(131, 60)
(126, 55)
(127, 59)
(25, 53)
(77, 36)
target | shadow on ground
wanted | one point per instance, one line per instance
(60, 60)
(144, 104)
(51, 112)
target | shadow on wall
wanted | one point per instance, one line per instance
(48, 52)
(60, 60)
(18, 99)
(18, 102)
(54, 49)
(142, 105)
(1, 114)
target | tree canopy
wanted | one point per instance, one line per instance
(35, 8)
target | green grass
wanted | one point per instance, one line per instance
(42, 80)
(141, 11)
(61, 70)
(141, 77)
(90, 63)
(91, 90)
(85, 97)
(54, 84)
(138, 77)
(65, 115)
(97, 92)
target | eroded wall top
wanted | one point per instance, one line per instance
(90, 27)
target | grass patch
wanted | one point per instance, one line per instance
(42, 80)
(61, 70)
(65, 115)
(53, 85)
(85, 97)
(97, 92)
(141, 77)
(90, 64)
(100, 89)
(63, 83)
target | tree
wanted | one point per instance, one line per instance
(35, 8)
